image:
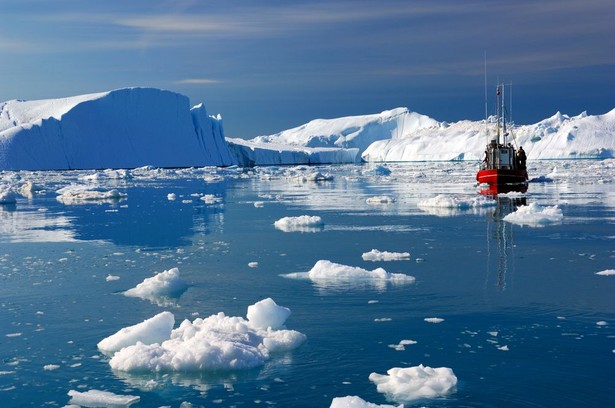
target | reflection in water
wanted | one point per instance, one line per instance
(500, 233)
(34, 226)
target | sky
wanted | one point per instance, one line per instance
(271, 65)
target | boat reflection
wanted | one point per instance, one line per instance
(500, 235)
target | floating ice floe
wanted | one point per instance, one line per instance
(534, 215)
(267, 313)
(171, 197)
(606, 272)
(164, 285)
(153, 330)
(444, 205)
(211, 199)
(411, 383)
(218, 342)
(375, 255)
(401, 346)
(96, 398)
(86, 194)
(325, 271)
(357, 402)
(111, 278)
(302, 223)
(433, 319)
(376, 200)
(253, 264)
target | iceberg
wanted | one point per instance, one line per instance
(400, 135)
(136, 127)
(218, 342)
(124, 128)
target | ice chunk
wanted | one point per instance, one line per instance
(218, 342)
(267, 313)
(407, 384)
(534, 215)
(357, 402)
(606, 272)
(164, 284)
(96, 398)
(433, 320)
(325, 269)
(153, 330)
(376, 255)
(303, 223)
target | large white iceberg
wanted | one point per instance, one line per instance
(401, 135)
(134, 127)
(125, 128)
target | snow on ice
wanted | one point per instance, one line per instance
(153, 330)
(302, 223)
(218, 342)
(97, 398)
(533, 215)
(134, 127)
(325, 270)
(411, 383)
(167, 284)
(375, 255)
(357, 402)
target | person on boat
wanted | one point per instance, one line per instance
(521, 156)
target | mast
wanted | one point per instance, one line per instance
(486, 127)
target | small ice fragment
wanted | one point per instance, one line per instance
(433, 320)
(96, 398)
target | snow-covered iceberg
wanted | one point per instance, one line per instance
(400, 135)
(124, 128)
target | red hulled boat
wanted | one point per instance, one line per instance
(503, 167)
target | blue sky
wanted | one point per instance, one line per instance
(270, 65)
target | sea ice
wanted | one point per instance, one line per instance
(534, 215)
(164, 284)
(433, 319)
(376, 255)
(303, 223)
(84, 194)
(96, 398)
(357, 402)
(267, 313)
(153, 330)
(606, 272)
(218, 342)
(325, 270)
(407, 384)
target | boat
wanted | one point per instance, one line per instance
(503, 167)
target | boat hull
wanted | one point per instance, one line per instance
(501, 176)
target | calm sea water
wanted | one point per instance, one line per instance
(527, 322)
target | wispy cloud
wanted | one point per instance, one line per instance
(196, 81)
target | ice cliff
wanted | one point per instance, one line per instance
(125, 128)
(134, 127)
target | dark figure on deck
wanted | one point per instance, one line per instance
(521, 157)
